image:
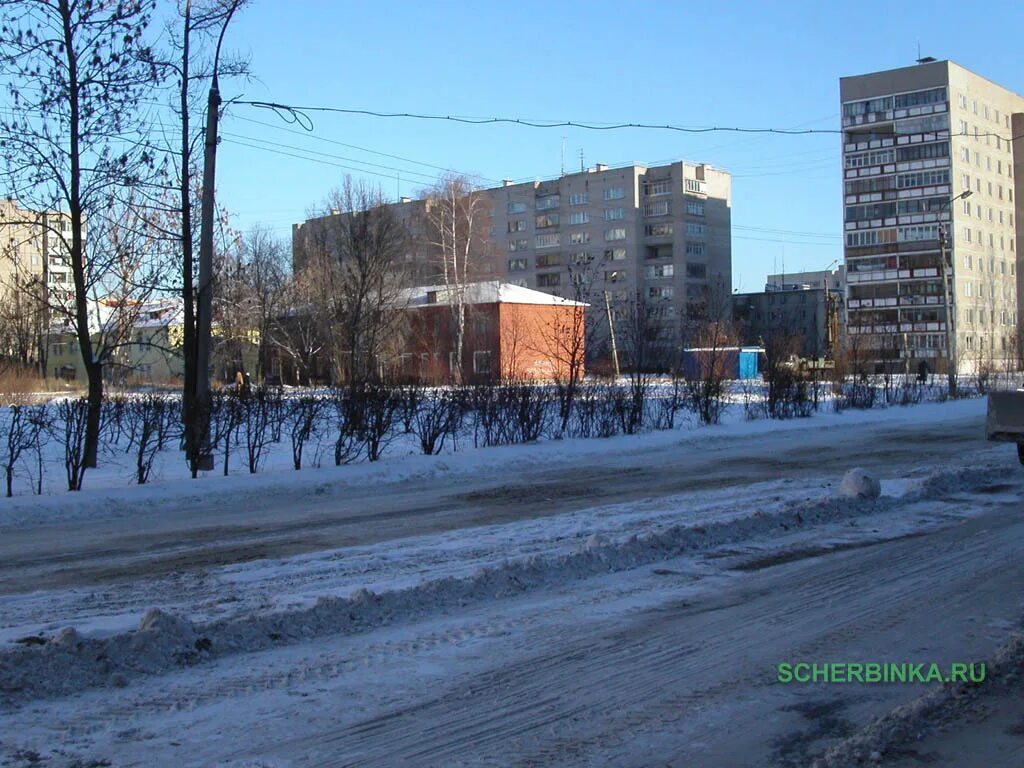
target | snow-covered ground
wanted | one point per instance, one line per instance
(465, 609)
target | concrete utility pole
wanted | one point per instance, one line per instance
(945, 270)
(611, 330)
(204, 314)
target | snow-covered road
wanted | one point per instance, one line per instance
(627, 609)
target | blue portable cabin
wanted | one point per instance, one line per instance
(739, 362)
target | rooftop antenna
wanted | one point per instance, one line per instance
(563, 156)
(581, 160)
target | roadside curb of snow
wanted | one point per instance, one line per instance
(914, 720)
(69, 662)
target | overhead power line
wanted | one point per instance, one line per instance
(298, 115)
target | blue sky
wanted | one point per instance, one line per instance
(761, 65)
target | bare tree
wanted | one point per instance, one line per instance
(355, 274)
(456, 227)
(190, 57)
(77, 72)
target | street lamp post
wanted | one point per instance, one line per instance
(951, 361)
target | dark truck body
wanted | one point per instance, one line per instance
(1005, 419)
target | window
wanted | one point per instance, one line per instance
(917, 233)
(697, 249)
(579, 217)
(519, 225)
(615, 254)
(615, 214)
(856, 108)
(660, 208)
(614, 275)
(549, 260)
(514, 265)
(546, 241)
(547, 203)
(618, 233)
(695, 230)
(518, 245)
(658, 230)
(663, 187)
(614, 193)
(660, 292)
(862, 159)
(579, 238)
(697, 271)
(694, 185)
(481, 362)
(521, 282)
(514, 208)
(926, 124)
(579, 198)
(923, 151)
(581, 257)
(547, 220)
(550, 280)
(695, 207)
(655, 271)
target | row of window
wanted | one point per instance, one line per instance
(969, 264)
(652, 272)
(987, 112)
(978, 237)
(900, 101)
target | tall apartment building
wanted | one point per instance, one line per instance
(914, 139)
(660, 233)
(31, 249)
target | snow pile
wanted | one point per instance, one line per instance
(69, 662)
(910, 721)
(860, 484)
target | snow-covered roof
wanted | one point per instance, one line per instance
(488, 292)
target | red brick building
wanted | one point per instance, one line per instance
(510, 333)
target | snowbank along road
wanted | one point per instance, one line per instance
(627, 612)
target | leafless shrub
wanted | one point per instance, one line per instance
(436, 418)
(303, 416)
(24, 428)
(380, 405)
(348, 425)
(258, 408)
(74, 413)
(152, 423)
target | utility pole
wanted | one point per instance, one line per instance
(946, 273)
(611, 330)
(202, 450)
(951, 366)
(204, 313)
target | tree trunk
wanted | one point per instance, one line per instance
(92, 425)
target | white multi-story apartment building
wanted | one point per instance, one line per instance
(31, 248)
(660, 235)
(931, 167)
